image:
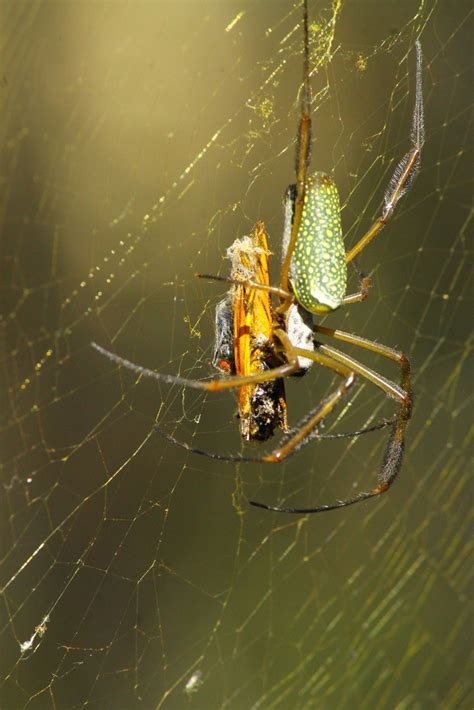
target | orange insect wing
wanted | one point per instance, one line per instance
(253, 325)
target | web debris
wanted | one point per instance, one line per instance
(38, 633)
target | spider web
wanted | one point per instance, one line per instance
(138, 141)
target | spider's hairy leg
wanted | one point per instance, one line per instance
(390, 388)
(226, 383)
(391, 463)
(267, 458)
(303, 154)
(275, 290)
(406, 170)
(396, 356)
(215, 385)
(393, 454)
(303, 432)
(307, 429)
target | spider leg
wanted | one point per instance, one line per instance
(305, 430)
(394, 449)
(390, 388)
(391, 463)
(365, 283)
(224, 383)
(299, 436)
(303, 153)
(214, 385)
(251, 284)
(396, 356)
(236, 458)
(406, 170)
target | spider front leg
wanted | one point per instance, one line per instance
(275, 290)
(215, 385)
(406, 170)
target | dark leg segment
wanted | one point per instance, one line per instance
(406, 170)
(393, 454)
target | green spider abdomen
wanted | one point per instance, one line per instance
(318, 271)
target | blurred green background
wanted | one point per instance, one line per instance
(138, 140)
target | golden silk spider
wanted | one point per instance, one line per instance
(257, 344)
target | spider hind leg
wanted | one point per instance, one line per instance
(391, 464)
